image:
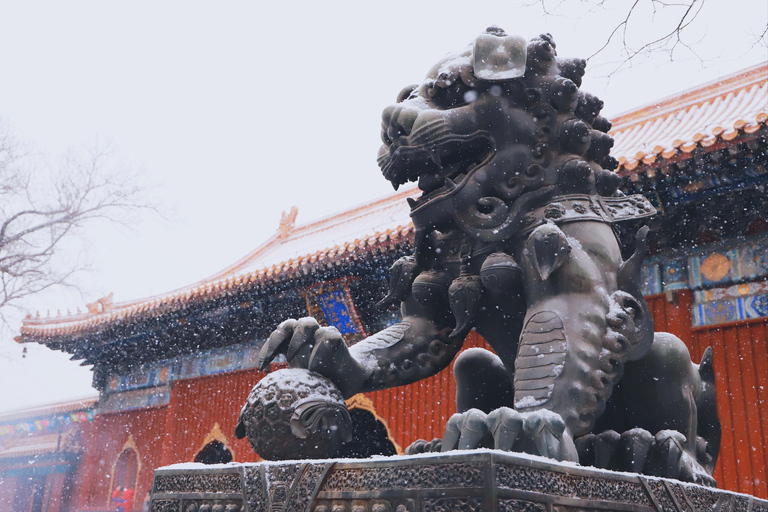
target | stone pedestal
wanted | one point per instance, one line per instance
(481, 480)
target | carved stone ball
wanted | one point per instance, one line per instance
(295, 414)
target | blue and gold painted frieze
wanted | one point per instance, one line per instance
(730, 310)
(148, 386)
(135, 399)
(337, 310)
(651, 279)
(744, 263)
(664, 274)
(729, 280)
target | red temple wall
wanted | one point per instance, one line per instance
(197, 405)
(104, 440)
(741, 371)
(420, 410)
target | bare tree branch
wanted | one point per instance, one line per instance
(42, 209)
(670, 31)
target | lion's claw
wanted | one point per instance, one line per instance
(322, 350)
(277, 343)
(636, 445)
(422, 446)
(539, 432)
(465, 431)
(505, 425)
(302, 342)
(605, 445)
(638, 451)
(546, 430)
(674, 461)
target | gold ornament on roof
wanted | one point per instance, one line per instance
(101, 305)
(287, 222)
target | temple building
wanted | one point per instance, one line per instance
(173, 370)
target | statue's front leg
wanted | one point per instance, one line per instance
(579, 328)
(407, 352)
(484, 395)
(414, 349)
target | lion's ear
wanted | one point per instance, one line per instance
(403, 95)
(547, 249)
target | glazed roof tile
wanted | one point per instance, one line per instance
(338, 233)
(720, 110)
(29, 446)
(371, 225)
(40, 411)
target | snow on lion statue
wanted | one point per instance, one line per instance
(515, 236)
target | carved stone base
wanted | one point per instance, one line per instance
(482, 480)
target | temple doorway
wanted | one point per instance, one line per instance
(369, 437)
(214, 453)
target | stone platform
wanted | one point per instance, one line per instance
(481, 480)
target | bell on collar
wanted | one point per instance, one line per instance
(498, 56)
(464, 296)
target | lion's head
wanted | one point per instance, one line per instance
(500, 124)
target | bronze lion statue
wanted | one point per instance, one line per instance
(515, 236)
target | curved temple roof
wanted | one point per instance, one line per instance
(719, 110)
(700, 117)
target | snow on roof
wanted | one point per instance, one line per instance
(719, 110)
(370, 225)
(53, 409)
(28, 446)
(363, 223)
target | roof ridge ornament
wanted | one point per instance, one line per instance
(101, 305)
(287, 222)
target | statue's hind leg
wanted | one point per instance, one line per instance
(482, 381)
(673, 398)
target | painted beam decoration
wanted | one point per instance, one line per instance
(728, 281)
(149, 386)
(47, 424)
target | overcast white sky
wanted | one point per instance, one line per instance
(236, 111)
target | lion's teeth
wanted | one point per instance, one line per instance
(435, 156)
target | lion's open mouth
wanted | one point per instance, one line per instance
(451, 157)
